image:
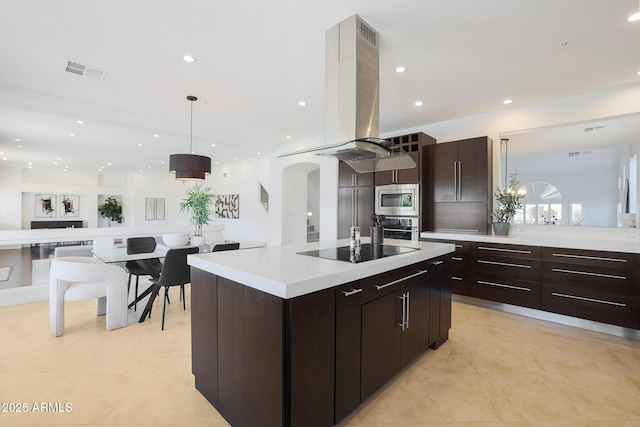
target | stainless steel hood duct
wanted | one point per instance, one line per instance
(352, 87)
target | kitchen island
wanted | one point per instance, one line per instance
(281, 338)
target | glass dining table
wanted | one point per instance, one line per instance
(120, 255)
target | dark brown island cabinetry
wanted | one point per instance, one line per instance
(461, 186)
(356, 199)
(311, 360)
(594, 285)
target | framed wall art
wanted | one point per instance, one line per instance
(227, 206)
(45, 206)
(69, 206)
(159, 209)
(150, 209)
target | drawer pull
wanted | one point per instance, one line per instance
(455, 258)
(519, 288)
(515, 251)
(594, 258)
(378, 287)
(587, 273)
(506, 264)
(437, 262)
(619, 304)
(456, 278)
(459, 246)
(352, 292)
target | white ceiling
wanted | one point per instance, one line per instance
(257, 59)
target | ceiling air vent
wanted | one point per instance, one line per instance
(574, 154)
(83, 70)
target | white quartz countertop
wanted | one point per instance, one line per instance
(281, 271)
(597, 244)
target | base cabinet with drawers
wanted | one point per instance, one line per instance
(602, 286)
(506, 273)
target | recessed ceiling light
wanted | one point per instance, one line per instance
(235, 158)
(188, 58)
(55, 163)
(19, 146)
(401, 69)
(213, 145)
(288, 136)
(259, 153)
(72, 134)
(141, 170)
(18, 140)
(29, 163)
(58, 158)
(507, 101)
(80, 122)
(302, 103)
(139, 144)
(155, 135)
(418, 103)
(4, 158)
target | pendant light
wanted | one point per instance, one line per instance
(635, 16)
(190, 167)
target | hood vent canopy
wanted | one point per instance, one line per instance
(352, 88)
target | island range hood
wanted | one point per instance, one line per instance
(352, 87)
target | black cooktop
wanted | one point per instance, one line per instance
(365, 252)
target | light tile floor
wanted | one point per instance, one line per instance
(497, 369)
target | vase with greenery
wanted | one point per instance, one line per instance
(111, 209)
(508, 200)
(199, 201)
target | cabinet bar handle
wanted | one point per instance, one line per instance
(619, 304)
(519, 288)
(506, 264)
(437, 262)
(459, 181)
(378, 287)
(456, 278)
(515, 251)
(455, 180)
(459, 246)
(408, 309)
(455, 258)
(404, 312)
(587, 273)
(352, 292)
(595, 258)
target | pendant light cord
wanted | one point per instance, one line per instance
(191, 131)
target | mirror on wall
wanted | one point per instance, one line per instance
(577, 174)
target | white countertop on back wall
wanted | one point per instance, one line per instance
(588, 238)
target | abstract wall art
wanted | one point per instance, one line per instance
(45, 206)
(227, 206)
(69, 206)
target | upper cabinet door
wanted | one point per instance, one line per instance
(445, 171)
(347, 177)
(474, 164)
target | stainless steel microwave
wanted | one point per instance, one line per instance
(398, 200)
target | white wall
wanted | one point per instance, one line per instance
(243, 177)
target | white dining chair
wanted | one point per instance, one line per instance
(78, 278)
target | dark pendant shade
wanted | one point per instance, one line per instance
(189, 167)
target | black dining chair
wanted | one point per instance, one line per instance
(225, 247)
(175, 272)
(145, 267)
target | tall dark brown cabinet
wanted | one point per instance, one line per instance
(355, 200)
(461, 186)
(356, 191)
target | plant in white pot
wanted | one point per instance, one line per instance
(508, 200)
(111, 210)
(199, 201)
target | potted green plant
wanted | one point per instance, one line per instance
(111, 209)
(508, 200)
(199, 201)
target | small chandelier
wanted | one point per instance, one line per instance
(190, 167)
